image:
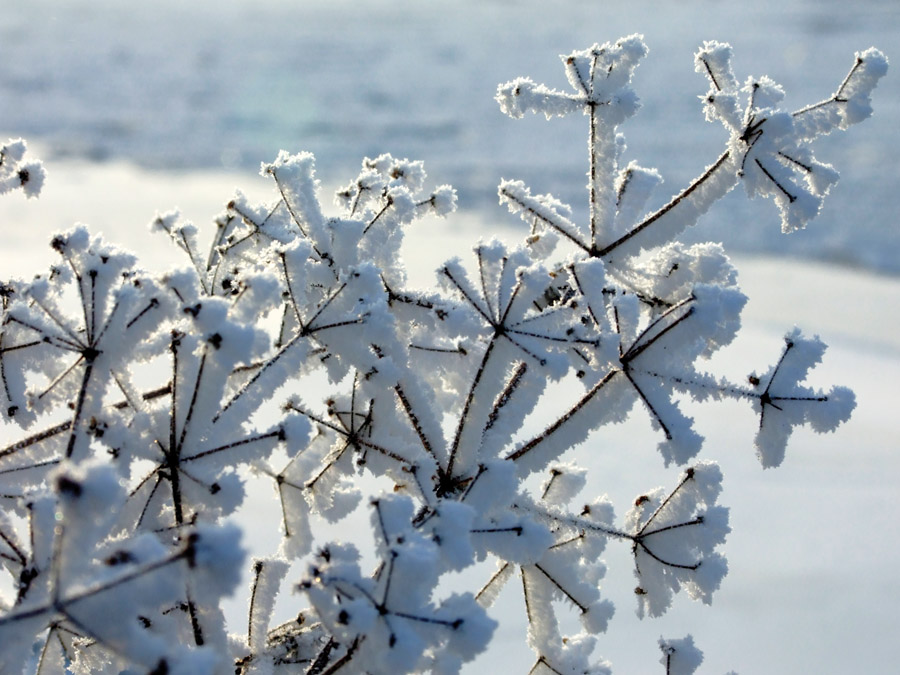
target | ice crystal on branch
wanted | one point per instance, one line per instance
(773, 144)
(15, 173)
(680, 657)
(294, 350)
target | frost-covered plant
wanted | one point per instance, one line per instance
(145, 401)
(17, 174)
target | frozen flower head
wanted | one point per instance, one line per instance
(771, 144)
(600, 76)
(16, 173)
(397, 428)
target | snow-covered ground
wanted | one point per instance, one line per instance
(141, 108)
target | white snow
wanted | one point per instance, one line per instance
(813, 541)
(813, 552)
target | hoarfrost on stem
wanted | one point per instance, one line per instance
(143, 402)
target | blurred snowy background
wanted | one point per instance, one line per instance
(171, 85)
(137, 107)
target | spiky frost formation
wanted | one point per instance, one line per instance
(142, 403)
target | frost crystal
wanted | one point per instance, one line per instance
(294, 351)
